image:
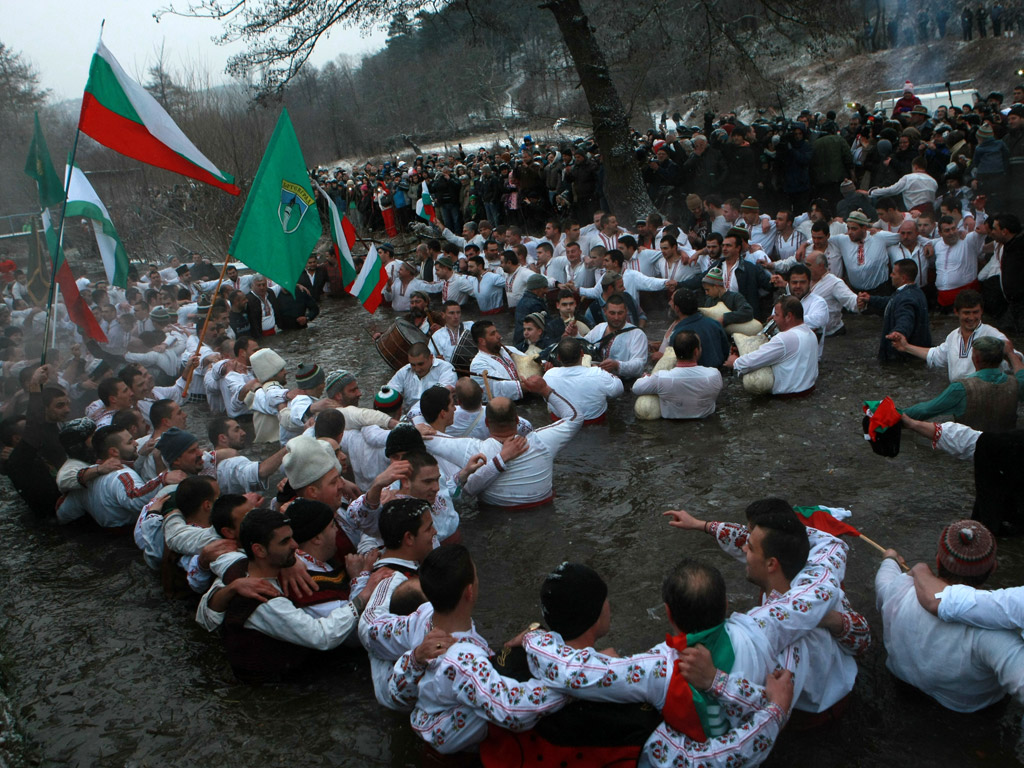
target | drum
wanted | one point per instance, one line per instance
(463, 354)
(394, 343)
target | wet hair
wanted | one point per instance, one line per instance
(887, 204)
(670, 239)
(193, 492)
(108, 389)
(419, 349)
(223, 507)
(51, 393)
(685, 344)
(1007, 221)
(258, 528)
(103, 440)
(444, 575)
(469, 393)
(616, 298)
(399, 517)
(685, 301)
(695, 595)
(406, 598)
(479, 329)
(570, 351)
(218, 426)
(510, 256)
(329, 423)
(501, 415)
(772, 505)
(822, 227)
(127, 418)
(791, 305)
(968, 299)
(433, 401)
(241, 344)
(716, 236)
(786, 540)
(907, 268)
(800, 269)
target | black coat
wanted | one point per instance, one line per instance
(316, 285)
(905, 311)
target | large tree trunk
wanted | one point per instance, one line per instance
(623, 185)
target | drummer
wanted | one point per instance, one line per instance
(445, 339)
(419, 312)
(491, 356)
(421, 372)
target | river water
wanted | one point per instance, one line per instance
(102, 670)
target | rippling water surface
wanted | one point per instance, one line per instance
(101, 669)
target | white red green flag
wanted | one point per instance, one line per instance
(83, 201)
(74, 302)
(343, 237)
(371, 281)
(121, 114)
(425, 205)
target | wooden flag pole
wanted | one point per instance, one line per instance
(194, 361)
(880, 548)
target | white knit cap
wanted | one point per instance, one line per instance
(266, 364)
(307, 460)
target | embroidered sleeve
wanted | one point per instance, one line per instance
(587, 674)
(731, 537)
(747, 744)
(404, 681)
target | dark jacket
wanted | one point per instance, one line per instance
(714, 343)
(740, 310)
(905, 311)
(1013, 269)
(316, 285)
(554, 327)
(751, 278)
(445, 190)
(255, 312)
(706, 171)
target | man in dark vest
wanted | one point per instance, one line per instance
(268, 639)
(987, 399)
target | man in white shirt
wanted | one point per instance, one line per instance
(488, 288)
(816, 313)
(507, 479)
(623, 345)
(588, 389)
(494, 358)
(917, 187)
(445, 339)
(954, 353)
(454, 287)
(647, 261)
(421, 372)
(516, 275)
(235, 377)
(956, 261)
(865, 258)
(833, 290)
(912, 246)
(687, 391)
(963, 668)
(399, 291)
(792, 353)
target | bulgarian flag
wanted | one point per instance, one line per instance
(78, 308)
(122, 115)
(371, 281)
(881, 414)
(83, 201)
(343, 236)
(40, 168)
(690, 710)
(425, 205)
(827, 519)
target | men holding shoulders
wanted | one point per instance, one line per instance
(488, 287)
(519, 471)
(687, 391)
(833, 290)
(963, 668)
(798, 284)
(865, 258)
(792, 353)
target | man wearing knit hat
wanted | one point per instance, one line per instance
(313, 471)
(421, 372)
(760, 226)
(316, 532)
(963, 668)
(534, 299)
(310, 381)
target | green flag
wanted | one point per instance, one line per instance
(39, 167)
(280, 224)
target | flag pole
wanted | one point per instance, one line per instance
(194, 360)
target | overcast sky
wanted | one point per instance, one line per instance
(58, 37)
